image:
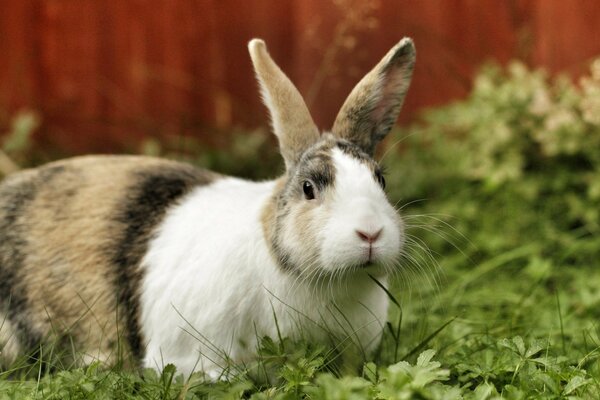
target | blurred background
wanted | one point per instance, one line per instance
(106, 76)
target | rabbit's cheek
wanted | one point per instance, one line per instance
(299, 237)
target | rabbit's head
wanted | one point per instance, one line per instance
(329, 212)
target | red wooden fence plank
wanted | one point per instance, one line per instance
(104, 74)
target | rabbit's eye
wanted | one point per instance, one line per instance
(308, 190)
(380, 179)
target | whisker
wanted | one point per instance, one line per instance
(396, 143)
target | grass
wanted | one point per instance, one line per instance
(514, 324)
(499, 291)
(511, 325)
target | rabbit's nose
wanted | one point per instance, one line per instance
(369, 237)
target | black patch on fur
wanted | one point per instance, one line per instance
(353, 151)
(13, 249)
(144, 209)
(319, 169)
(317, 166)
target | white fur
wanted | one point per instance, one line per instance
(211, 285)
(359, 204)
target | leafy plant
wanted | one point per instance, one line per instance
(518, 157)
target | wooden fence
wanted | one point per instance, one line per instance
(103, 74)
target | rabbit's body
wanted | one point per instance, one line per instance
(72, 235)
(221, 228)
(166, 263)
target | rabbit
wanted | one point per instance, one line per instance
(153, 261)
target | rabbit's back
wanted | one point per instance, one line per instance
(72, 235)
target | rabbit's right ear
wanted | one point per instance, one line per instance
(291, 120)
(372, 107)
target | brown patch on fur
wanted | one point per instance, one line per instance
(269, 215)
(70, 237)
(292, 123)
(303, 221)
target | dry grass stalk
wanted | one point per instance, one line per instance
(7, 165)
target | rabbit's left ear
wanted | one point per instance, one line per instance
(292, 123)
(372, 107)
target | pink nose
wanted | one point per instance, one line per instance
(369, 237)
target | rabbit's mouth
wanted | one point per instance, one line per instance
(369, 257)
(367, 264)
(371, 253)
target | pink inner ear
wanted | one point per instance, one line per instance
(391, 91)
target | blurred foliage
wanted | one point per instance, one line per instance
(502, 206)
(16, 143)
(517, 162)
(247, 154)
